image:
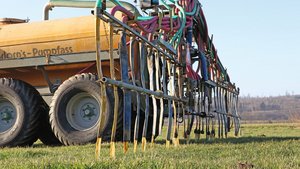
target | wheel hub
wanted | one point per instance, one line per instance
(7, 115)
(88, 111)
(83, 111)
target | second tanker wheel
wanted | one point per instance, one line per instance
(18, 113)
(75, 110)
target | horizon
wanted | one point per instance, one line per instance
(262, 96)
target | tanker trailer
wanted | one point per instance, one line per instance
(35, 59)
(144, 61)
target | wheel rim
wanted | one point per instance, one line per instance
(8, 115)
(83, 111)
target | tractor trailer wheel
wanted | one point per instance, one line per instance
(19, 117)
(75, 110)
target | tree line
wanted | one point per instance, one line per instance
(279, 108)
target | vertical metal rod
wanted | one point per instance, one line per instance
(218, 110)
(213, 107)
(184, 116)
(237, 123)
(225, 112)
(202, 108)
(159, 83)
(213, 98)
(116, 95)
(199, 111)
(152, 81)
(138, 105)
(126, 92)
(179, 91)
(165, 90)
(175, 132)
(102, 86)
(234, 113)
(221, 109)
(142, 67)
(228, 112)
(170, 112)
(210, 119)
(206, 105)
(232, 110)
(237, 114)
(237, 119)
(189, 121)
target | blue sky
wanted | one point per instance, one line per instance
(257, 41)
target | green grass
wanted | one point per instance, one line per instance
(263, 145)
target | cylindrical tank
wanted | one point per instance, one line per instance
(54, 37)
(45, 39)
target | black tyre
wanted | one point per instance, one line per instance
(46, 134)
(75, 110)
(19, 119)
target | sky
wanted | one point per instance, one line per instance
(257, 41)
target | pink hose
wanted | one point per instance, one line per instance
(122, 9)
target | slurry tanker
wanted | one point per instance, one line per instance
(129, 71)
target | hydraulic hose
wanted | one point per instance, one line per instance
(203, 66)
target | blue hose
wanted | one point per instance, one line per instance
(189, 36)
(203, 66)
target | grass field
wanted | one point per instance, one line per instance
(262, 145)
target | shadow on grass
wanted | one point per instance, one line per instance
(241, 140)
(41, 145)
(254, 139)
(231, 140)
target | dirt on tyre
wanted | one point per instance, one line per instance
(19, 117)
(75, 110)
